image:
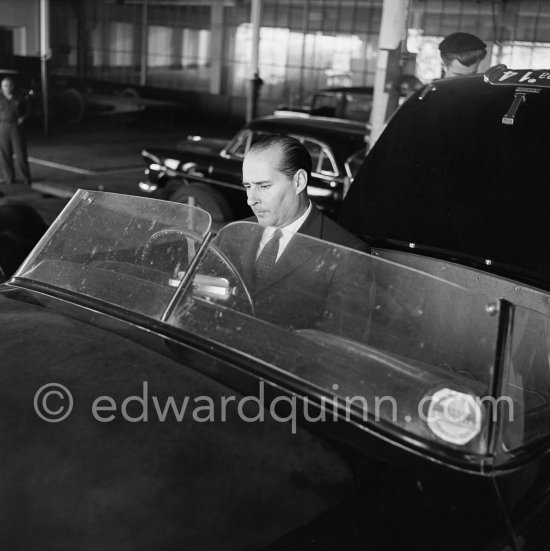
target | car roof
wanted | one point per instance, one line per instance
(315, 126)
(343, 136)
(349, 89)
(450, 174)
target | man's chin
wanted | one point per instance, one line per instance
(263, 219)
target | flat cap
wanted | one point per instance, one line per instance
(457, 43)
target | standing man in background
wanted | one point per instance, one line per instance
(461, 54)
(14, 109)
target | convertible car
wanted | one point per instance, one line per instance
(148, 403)
(208, 174)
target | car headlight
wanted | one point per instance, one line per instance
(172, 164)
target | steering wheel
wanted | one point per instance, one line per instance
(241, 298)
(215, 265)
(147, 248)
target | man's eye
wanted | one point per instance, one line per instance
(265, 186)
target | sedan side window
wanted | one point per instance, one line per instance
(243, 141)
(321, 157)
(358, 107)
(325, 105)
(325, 164)
(241, 144)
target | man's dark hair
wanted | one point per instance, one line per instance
(294, 156)
(467, 48)
(466, 58)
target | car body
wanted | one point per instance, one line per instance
(72, 98)
(209, 174)
(466, 194)
(21, 227)
(344, 102)
(75, 99)
(139, 384)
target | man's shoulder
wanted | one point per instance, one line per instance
(321, 226)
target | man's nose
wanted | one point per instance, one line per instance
(251, 197)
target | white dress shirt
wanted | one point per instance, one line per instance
(288, 232)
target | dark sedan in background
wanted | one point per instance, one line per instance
(208, 173)
(345, 102)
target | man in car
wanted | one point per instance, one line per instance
(461, 54)
(330, 284)
(276, 171)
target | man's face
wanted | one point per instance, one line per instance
(7, 86)
(274, 198)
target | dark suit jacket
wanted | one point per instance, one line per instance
(312, 285)
(321, 226)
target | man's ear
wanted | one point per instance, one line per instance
(300, 180)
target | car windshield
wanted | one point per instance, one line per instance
(381, 342)
(118, 248)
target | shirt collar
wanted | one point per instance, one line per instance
(288, 230)
(297, 224)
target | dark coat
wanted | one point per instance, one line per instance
(312, 286)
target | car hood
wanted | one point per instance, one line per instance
(195, 145)
(144, 483)
(448, 175)
(198, 143)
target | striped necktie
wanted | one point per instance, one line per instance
(267, 258)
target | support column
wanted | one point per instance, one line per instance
(45, 54)
(178, 49)
(255, 81)
(216, 47)
(144, 44)
(393, 32)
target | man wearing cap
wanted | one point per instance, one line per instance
(461, 54)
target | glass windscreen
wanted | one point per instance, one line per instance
(129, 251)
(525, 395)
(387, 340)
(378, 341)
